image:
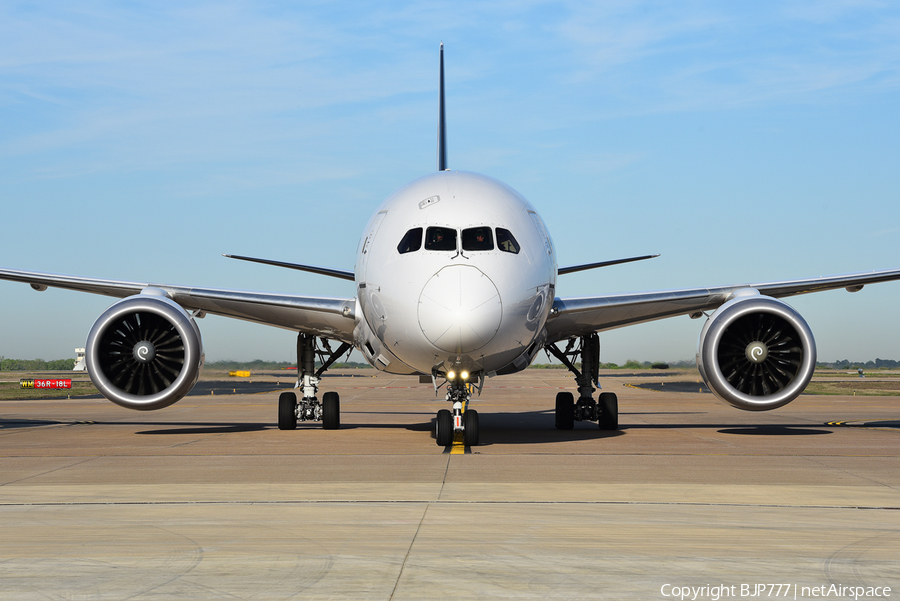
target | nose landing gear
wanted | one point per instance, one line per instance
(460, 424)
(604, 411)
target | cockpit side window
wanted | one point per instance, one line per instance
(477, 238)
(440, 238)
(412, 241)
(506, 241)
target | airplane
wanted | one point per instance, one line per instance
(455, 281)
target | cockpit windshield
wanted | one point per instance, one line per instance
(506, 241)
(440, 238)
(411, 242)
(477, 238)
(480, 238)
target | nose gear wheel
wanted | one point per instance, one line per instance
(460, 420)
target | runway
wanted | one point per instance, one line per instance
(209, 500)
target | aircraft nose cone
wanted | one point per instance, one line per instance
(460, 309)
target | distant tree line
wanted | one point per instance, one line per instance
(629, 364)
(257, 364)
(876, 364)
(36, 364)
(260, 365)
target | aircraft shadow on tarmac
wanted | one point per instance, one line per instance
(171, 427)
(495, 429)
(529, 427)
(533, 427)
(195, 428)
(537, 427)
(775, 431)
(765, 430)
(27, 423)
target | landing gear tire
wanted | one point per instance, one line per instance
(331, 411)
(565, 411)
(470, 418)
(287, 411)
(443, 428)
(609, 411)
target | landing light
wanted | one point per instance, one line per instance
(461, 376)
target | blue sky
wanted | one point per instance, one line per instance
(742, 141)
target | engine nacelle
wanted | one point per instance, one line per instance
(144, 352)
(756, 353)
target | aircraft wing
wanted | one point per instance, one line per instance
(328, 317)
(580, 316)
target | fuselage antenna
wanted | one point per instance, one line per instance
(442, 124)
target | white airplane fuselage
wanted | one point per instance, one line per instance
(455, 270)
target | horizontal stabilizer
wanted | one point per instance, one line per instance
(574, 268)
(335, 273)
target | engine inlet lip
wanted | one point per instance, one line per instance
(187, 330)
(727, 315)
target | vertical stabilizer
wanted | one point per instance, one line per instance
(442, 124)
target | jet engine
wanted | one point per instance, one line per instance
(756, 353)
(144, 352)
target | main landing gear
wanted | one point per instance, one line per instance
(309, 408)
(604, 411)
(461, 419)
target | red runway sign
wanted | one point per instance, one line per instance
(46, 383)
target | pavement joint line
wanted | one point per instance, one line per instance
(448, 502)
(63, 467)
(408, 551)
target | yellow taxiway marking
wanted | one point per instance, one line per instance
(459, 445)
(868, 424)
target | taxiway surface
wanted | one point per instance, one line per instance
(209, 500)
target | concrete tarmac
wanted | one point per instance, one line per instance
(207, 499)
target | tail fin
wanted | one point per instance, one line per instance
(442, 124)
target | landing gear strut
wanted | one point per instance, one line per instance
(308, 378)
(460, 419)
(605, 411)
